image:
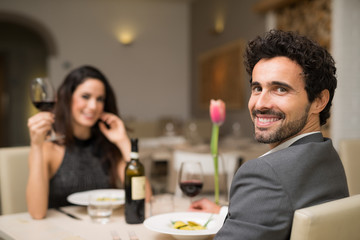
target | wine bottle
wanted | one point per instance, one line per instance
(134, 187)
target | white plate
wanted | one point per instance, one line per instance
(162, 224)
(82, 198)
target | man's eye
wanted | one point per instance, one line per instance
(281, 90)
(256, 89)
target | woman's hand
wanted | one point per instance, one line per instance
(39, 125)
(115, 132)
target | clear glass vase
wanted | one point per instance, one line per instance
(223, 178)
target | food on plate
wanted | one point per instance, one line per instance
(103, 199)
(190, 225)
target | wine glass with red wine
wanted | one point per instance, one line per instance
(43, 97)
(191, 178)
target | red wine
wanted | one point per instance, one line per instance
(44, 106)
(191, 188)
(134, 187)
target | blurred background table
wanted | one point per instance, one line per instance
(162, 157)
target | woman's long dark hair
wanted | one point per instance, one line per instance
(111, 155)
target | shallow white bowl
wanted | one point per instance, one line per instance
(82, 198)
(162, 224)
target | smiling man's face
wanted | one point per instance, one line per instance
(278, 105)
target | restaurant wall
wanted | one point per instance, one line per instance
(150, 77)
(346, 51)
(240, 23)
(23, 57)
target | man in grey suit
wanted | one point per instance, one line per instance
(292, 86)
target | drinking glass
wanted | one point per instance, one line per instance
(100, 207)
(43, 97)
(162, 203)
(191, 178)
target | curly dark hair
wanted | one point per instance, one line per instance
(63, 117)
(318, 66)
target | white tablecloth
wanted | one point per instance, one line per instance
(58, 226)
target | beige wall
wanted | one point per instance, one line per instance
(155, 76)
(346, 51)
(151, 77)
(241, 22)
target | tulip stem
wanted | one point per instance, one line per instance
(215, 155)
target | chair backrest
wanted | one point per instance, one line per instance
(333, 220)
(143, 129)
(349, 151)
(13, 179)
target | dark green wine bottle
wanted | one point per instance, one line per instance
(134, 187)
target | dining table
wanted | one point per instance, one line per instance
(61, 225)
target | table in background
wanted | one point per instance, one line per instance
(232, 153)
(162, 157)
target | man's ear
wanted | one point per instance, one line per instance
(321, 101)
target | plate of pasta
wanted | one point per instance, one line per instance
(185, 225)
(116, 196)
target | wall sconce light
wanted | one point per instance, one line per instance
(126, 38)
(219, 24)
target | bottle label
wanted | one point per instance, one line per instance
(134, 155)
(138, 188)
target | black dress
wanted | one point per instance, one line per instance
(80, 170)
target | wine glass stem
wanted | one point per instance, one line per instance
(52, 136)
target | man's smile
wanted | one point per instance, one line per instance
(266, 118)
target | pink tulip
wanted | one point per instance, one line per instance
(217, 114)
(217, 111)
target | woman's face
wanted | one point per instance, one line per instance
(87, 103)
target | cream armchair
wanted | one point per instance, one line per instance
(335, 220)
(13, 179)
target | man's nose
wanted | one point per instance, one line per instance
(264, 100)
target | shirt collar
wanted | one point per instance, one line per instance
(288, 143)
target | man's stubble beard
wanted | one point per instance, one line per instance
(283, 132)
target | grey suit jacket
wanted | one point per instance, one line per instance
(266, 191)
